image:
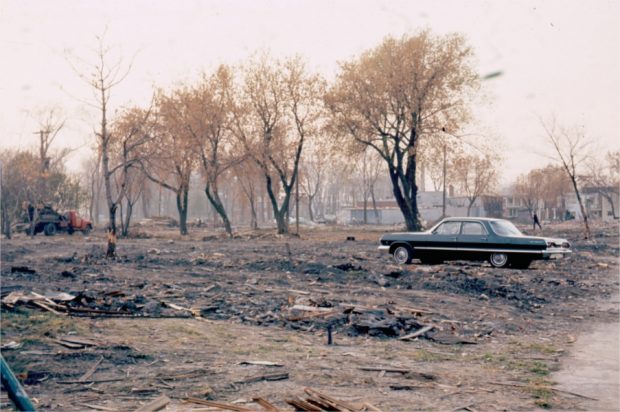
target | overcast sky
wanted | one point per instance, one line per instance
(557, 57)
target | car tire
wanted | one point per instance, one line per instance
(498, 260)
(49, 229)
(402, 254)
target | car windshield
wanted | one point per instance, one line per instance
(505, 228)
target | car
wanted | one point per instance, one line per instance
(478, 239)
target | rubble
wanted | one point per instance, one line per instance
(173, 318)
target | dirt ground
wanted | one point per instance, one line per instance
(235, 319)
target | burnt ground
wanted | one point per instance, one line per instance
(189, 317)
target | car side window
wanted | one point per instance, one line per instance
(448, 228)
(472, 228)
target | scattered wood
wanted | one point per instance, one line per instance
(311, 315)
(370, 407)
(307, 308)
(89, 381)
(91, 371)
(155, 405)
(266, 377)
(47, 308)
(417, 333)
(77, 340)
(332, 402)
(98, 407)
(68, 344)
(299, 292)
(261, 363)
(301, 405)
(268, 406)
(220, 405)
(399, 387)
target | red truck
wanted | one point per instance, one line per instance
(51, 222)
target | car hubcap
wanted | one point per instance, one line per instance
(499, 259)
(401, 255)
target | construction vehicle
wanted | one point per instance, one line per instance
(51, 222)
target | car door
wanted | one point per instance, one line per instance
(473, 240)
(442, 242)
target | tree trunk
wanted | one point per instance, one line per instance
(583, 209)
(6, 222)
(280, 214)
(310, 213)
(374, 204)
(365, 209)
(216, 202)
(128, 214)
(408, 206)
(611, 204)
(112, 217)
(181, 198)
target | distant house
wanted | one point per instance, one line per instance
(597, 206)
(430, 207)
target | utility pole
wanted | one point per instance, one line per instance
(443, 205)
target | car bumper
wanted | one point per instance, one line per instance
(553, 253)
(384, 248)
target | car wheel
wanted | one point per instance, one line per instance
(402, 255)
(498, 260)
(49, 229)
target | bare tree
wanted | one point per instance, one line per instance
(475, 175)
(529, 187)
(103, 76)
(571, 150)
(280, 110)
(170, 155)
(207, 109)
(248, 176)
(398, 93)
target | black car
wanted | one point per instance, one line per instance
(495, 240)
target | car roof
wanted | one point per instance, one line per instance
(471, 219)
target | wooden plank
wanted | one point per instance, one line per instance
(268, 406)
(90, 372)
(78, 340)
(98, 407)
(338, 404)
(92, 381)
(417, 333)
(267, 377)
(385, 369)
(220, 405)
(155, 404)
(307, 308)
(301, 405)
(44, 306)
